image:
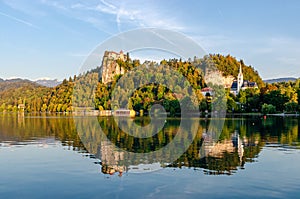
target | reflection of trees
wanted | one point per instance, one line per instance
(20, 128)
(280, 130)
(224, 158)
(127, 142)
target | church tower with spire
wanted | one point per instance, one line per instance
(240, 79)
(241, 84)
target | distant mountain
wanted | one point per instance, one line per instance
(48, 82)
(20, 81)
(16, 80)
(15, 92)
(284, 79)
(11, 84)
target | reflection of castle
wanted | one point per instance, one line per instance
(110, 67)
(241, 84)
(111, 159)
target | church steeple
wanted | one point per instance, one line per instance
(240, 80)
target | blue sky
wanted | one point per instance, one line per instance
(52, 38)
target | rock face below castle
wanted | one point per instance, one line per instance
(110, 67)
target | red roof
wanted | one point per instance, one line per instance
(207, 89)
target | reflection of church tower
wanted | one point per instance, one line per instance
(240, 79)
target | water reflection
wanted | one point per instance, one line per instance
(112, 160)
(20, 129)
(240, 143)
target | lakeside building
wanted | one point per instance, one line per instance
(207, 91)
(124, 113)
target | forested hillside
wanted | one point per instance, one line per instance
(15, 83)
(17, 91)
(20, 95)
(230, 66)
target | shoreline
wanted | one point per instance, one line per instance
(209, 115)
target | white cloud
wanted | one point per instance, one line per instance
(15, 77)
(108, 4)
(55, 4)
(218, 43)
(106, 8)
(28, 7)
(276, 56)
(42, 78)
(132, 15)
(286, 48)
(19, 20)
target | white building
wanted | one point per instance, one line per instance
(241, 84)
(240, 80)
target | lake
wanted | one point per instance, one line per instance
(59, 156)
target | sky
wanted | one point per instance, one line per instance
(52, 38)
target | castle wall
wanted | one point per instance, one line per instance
(110, 67)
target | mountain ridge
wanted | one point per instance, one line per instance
(280, 79)
(42, 82)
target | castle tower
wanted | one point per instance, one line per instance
(110, 67)
(240, 80)
(121, 55)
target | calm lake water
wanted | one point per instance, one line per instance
(64, 157)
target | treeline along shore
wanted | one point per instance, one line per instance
(282, 97)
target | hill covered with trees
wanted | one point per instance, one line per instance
(17, 92)
(269, 98)
(229, 66)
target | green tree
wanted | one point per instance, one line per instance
(276, 99)
(291, 107)
(268, 109)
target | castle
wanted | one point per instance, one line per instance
(110, 67)
(241, 84)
